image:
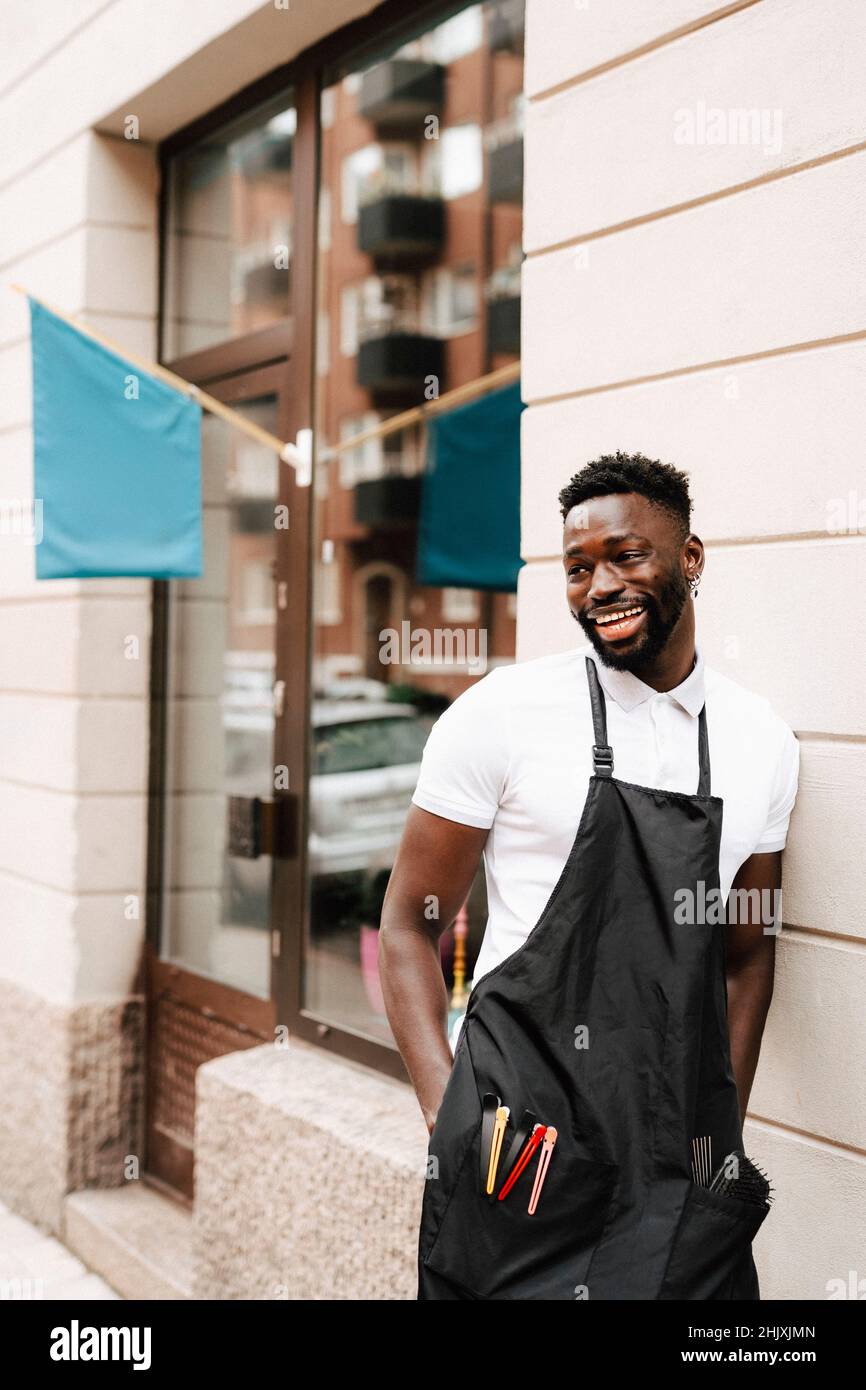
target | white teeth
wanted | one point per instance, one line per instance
(618, 617)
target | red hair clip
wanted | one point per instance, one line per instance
(532, 1143)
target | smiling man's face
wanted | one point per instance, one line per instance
(625, 565)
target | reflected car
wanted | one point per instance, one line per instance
(365, 758)
(365, 762)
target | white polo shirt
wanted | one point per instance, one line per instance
(513, 753)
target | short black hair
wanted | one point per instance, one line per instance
(660, 483)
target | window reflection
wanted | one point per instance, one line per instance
(419, 257)
(230, 224)
(220, 715)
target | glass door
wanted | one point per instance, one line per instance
(211, 972)
(417, 292)
(219, 749)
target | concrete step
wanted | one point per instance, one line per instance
(139, 1240)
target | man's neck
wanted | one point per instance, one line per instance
(671, 667)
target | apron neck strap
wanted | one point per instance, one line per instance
(703, 753)
(602, 753)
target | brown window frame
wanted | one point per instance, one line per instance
(305, 74)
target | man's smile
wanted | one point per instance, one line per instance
(615, 624)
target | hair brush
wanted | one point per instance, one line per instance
(750, 1183)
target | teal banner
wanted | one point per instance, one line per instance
(116, 462)
(469, 529)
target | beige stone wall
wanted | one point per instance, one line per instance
(73, 1104)
(706, 304)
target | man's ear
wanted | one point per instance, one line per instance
(694, 555)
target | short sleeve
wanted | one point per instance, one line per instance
(465, 760)
(783, 795)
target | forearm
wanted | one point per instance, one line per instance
(435, 865)
(750, 963)
(416, 1002)
(750, 990)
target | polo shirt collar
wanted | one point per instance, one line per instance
(629, 690)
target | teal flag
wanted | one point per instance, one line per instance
(116, 462)
(469, 530)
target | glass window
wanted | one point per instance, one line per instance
(328, 108)
(325, 220)
(220, 715)
(456, 37)
(323, 343)
(365, 460)
(257, 596)
(455, 161)
(358, 166)
(374, 171)
(366, 742)
(404, 278)
(453, 38)
(229, 239)
(451, 301)
(327, 592)
(349, 315)
(460, 605)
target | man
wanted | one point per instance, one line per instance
(575, 775)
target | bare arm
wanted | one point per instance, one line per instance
(751, 957)
(433, 872)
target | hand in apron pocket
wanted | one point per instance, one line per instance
(496, 1248)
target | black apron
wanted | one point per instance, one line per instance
(609, 1023)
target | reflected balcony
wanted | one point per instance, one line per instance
(503, 324)
(505, 160)
(395, 364)
(262, 153)
(400, 93)
(392, 500)
(502, 293)
(400, 227)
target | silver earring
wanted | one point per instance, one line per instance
(694, 583)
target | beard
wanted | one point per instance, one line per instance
(662, 615)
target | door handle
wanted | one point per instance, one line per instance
(256, 826)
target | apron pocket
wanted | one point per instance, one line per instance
(713, 1239)
(494, 1249)
(457, 1120)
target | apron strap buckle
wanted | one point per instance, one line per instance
(602, 760)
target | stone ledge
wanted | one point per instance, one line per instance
(358, 1106)
(309, 1178)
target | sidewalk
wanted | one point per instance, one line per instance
(36, 1265)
